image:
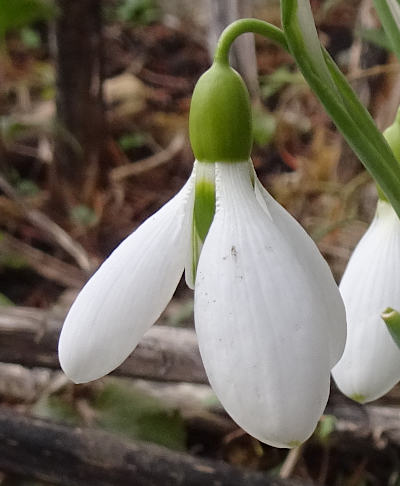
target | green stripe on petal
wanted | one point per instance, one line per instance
(203, 215)
(204, 207)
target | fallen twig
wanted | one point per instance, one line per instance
(377, 422)
(50, 228)
(290, 462)
(46, 265)
(29, 336)
(67, 456)
(20, 385)
(149, 163)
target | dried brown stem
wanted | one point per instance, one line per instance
(160, 158)
(46, 265)
(52, 230)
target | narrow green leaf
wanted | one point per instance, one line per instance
(340, 101)
(389, 14)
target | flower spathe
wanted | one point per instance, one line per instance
(370, 365)
(268, 315)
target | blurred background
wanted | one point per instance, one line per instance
(94, 102)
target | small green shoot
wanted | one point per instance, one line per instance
(83, 216)
(131, 141)
(391, 318)
(138, 12)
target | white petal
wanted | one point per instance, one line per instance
(370, 365)
(324, 285)
(258, 321)
(127, 293)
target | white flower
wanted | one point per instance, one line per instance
(370, 365)
(268, 314)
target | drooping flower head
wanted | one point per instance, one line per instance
(269, 317)
(370, 365)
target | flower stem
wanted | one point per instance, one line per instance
(331, 87)
(242, 26)
(339, 99)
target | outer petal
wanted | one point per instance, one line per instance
(370, 365)
(324, 285)
(258, 321)
(127, 293)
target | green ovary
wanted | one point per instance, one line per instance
(220, 123)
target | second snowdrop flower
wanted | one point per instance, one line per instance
(370, 365)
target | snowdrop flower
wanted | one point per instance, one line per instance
(370, 365)
(269, 317)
